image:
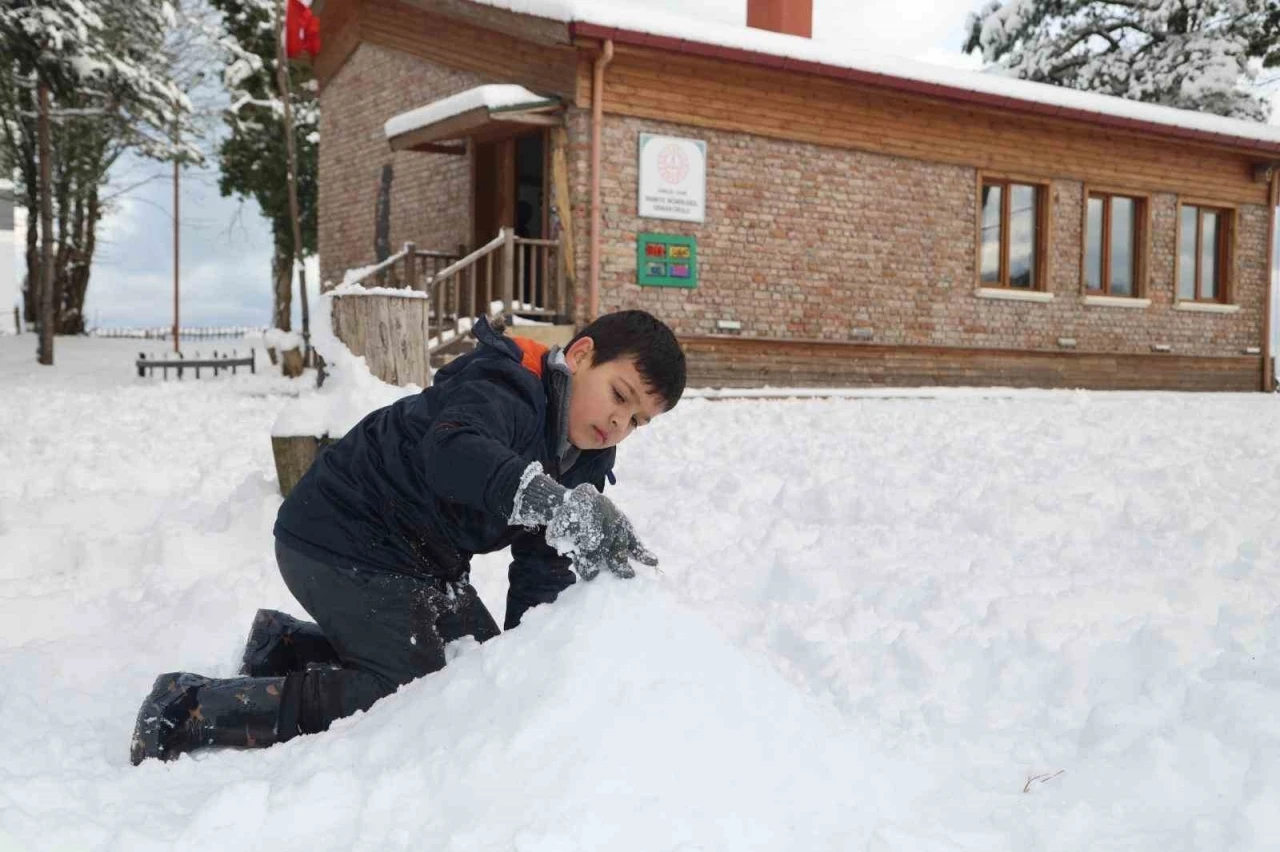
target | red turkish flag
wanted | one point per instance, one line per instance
(301, 30)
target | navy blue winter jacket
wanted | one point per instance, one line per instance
(421, 485)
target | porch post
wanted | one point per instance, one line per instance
(410, 266)
(508, 270)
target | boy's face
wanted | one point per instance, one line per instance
(606, 402)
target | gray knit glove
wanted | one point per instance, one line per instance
(582, 524)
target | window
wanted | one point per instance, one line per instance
(1115, 241)
(1011, 249)
(1203, 253)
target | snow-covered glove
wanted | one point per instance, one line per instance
(582, 524)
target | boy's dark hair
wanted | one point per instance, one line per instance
(642, 336)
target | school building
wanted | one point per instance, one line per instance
(801, 215)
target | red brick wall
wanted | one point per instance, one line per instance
(430, 193)
(808, 242)
(801, 242)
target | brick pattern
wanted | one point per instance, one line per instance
(430, 193)
(802, 242)
(752, 362)
(808, 242)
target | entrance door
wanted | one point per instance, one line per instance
(510, 181)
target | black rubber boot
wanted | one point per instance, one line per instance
(279, 644)
(186, 711)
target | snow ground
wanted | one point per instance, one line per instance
(878, 622)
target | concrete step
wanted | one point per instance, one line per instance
(549, 335)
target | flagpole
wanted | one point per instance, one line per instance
(177, 172)
(282, 81)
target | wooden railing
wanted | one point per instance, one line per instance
(539, 278)
(465, 289)
(410, 268)
(508, 275)
(421, 265)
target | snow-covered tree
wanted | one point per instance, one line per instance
(90, 77)
(1192, 54)
(253, 157)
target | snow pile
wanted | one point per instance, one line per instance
(281, 340)
(1041, 621)
(350, 391)
(999, 589)
(496, 96)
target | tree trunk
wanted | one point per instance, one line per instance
(69, 260)
(20, 138)
(282, 278)
(31, 287)
(45, 351)
(72, 319)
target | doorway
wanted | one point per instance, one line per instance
(510, 181)
(511, 191)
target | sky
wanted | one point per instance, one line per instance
(226, 244)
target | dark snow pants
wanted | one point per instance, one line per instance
(387, 629)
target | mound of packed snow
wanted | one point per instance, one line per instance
(350, 390)
(616, 720)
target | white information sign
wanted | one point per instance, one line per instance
(673, 178)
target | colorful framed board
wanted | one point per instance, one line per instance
(666, 260)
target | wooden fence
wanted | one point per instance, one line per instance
(191, 333)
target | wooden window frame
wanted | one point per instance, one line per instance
(1044, 220)
(1227, 216)
(1141, 241)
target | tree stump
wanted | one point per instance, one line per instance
(291, 363)
(390, 331)
(294, 454)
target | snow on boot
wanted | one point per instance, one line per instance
(279, 644)
(187, 711)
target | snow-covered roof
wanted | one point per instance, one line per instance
(592, 18)
(494, 98)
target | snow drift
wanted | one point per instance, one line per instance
(1030, 620)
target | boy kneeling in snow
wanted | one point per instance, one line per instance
(510, 445)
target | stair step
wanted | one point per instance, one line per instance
(550, 335)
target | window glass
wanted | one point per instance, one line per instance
(1022, 236)
(1187, 253)
(1093, 245)
(1123, 220)
(1209, 256)
(991, 209)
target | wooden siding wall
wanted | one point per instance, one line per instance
(340, 23)
(791, 105)
(455, 44)
(739, 362)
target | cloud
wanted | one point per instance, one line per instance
(224, 252)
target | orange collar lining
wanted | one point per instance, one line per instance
(531, 352)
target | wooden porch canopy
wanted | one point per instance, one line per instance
(484, 114)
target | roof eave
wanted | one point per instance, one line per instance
(968, 97)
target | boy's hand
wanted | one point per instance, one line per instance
(582, 523)
(589, 527)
